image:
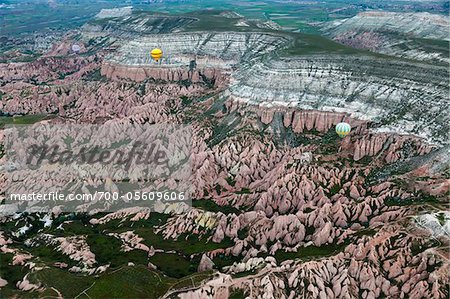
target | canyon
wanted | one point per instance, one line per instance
(281, 206)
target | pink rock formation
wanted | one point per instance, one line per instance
(205, 264)
(139, 74)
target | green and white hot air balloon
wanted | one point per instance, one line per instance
(343, 129)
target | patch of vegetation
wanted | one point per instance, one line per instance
(173, 265)
(75, 228)
(308, 210)
(441, 217)
(185, 244)
(244, 273)
(417, 248)
(310, 252)
(49, 255)
(329, 142)
(231, 181)
(330, 137)
(23, 119)
(310, 230)
(26, 58)
(416, 200)
(107, 250)
(193, 280)
(295, 139)
(223, 260)
(237, 294)
(366, 160)
(11, 273)
(220, 132)
(9, 291)
(428, 45)
(155, 219)
(121, 225)
(243, 233)
(244, 191)
(69, 284)
(315, 44)
(365, 232)
(335, 189)
(218, 189)
(95, 75)
(213, 19)
(212, 206)
(186, 101)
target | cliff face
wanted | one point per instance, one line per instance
(211, 76)
(395, 33)
(220, 49)
(197, 56)
(299, 120)
(46, 69)
(93, 100)
(364, 143)
(132, 24)
(401, 96)
(424, 25)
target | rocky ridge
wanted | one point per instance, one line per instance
(196, 56)
(133, 25)
(424, 25)
(412, 100)
(418, 36)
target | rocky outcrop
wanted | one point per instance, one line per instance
(114, 12)
(207, 49)
(372, 268)
(75, 247)
(194, 57)
(132, 24)
(307, 121)
(45, 70)
(94, 100)
(395, 33)
(422, 24)
(210, 76)
(410, 101)
(205, 264)
(298, 119)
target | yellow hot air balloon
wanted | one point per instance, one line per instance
(156, 54)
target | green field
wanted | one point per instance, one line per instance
(23, 119)
(126, 282)
(310, 252)
(211, 206)
(186, 245)
(107, 250)
(173, 265)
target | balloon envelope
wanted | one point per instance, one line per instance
(76, 48)
(156, 54)
(343, 129)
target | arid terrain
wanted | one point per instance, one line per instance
(282, 207)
